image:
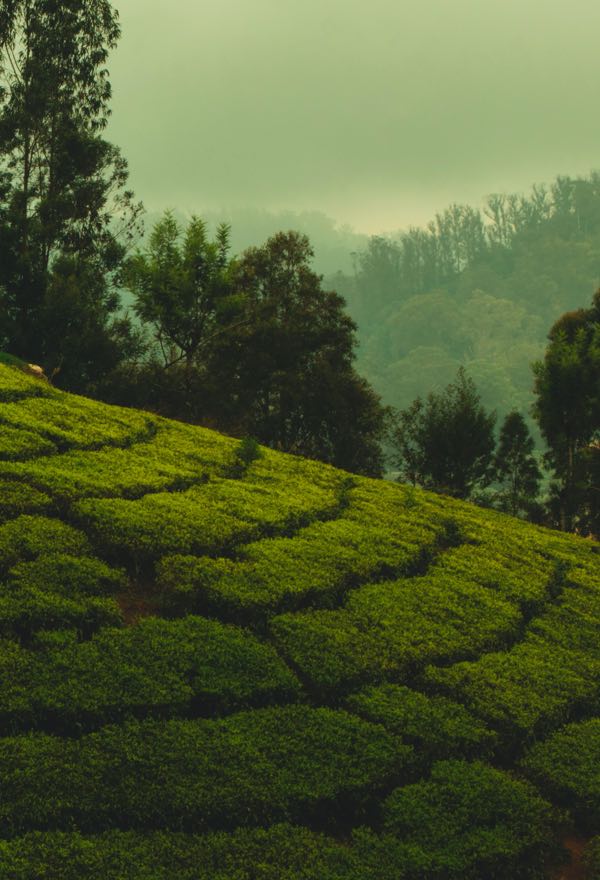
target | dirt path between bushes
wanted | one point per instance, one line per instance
(575, 870)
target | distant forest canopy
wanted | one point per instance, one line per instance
(478, 288)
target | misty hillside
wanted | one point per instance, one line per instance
(217, 664)
(477, 287)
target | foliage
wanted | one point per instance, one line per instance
(451, 630)
(515, 467)
(446, 443)
(394, 627)
(472, 821)
(181, 288)
(254, 346)
(567, 384)
(266, 765)
(246, 452)
(157, 668)
(63, 193)
(281, 852)
(437, 726)
(476, 287)
(567, 765)
(284, 373)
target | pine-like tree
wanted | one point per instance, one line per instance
(515, 467)
(446, 443)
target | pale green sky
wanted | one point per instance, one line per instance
(378, 113)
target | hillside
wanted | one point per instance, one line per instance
(277, 671)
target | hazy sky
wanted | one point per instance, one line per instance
(378, 113)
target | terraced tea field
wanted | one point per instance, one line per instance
(277, 671)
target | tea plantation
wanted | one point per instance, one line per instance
(270, 669)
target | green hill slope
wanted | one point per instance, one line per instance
(283, 673)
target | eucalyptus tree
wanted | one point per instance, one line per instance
(66, 212)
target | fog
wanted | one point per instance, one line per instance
(376, 114)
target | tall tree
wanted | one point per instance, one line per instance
(446, 442)
(515, 467)
(63, 187)
(567, 407)
(283, 372)
(180, 283)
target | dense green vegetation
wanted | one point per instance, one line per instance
(477, 287)
(222, 661)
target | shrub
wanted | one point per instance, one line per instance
(77, 422)
(438, 727)
(281, 852)
(17, 498)
(254, 767)
(67, 575)
(28, 609)
(16, 444)
(156, 667)
(314, 567)
(471, 821)
(28, 537)
(395, 628)
(527, 691)
(567, 765)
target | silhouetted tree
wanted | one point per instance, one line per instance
(62, 189)
(515, 467)
(283, 372)
(446, 442)
(567, 407)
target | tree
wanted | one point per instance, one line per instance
(183, 293)
(567, 408)
(282, 369)
(446, 442)
(515, 467)
(66, 213)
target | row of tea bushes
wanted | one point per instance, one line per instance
(157, 667)
(471, 821)
(216, 516)
(253, 767)
(77, 422)
(16, 385)
(567, 766)
(392, 629)
(315, 567)
(59, 590)
(466, 822)
(436, 726)
(525, 692)
(25, 611)
(176, 457)
(282, 852)
(67, 575)
(29, 537)
(17, 444)
(17, 498)
(533, 688)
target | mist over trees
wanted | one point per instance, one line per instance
(477, 288)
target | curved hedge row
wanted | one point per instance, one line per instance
(254, 767)
(157, 667)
